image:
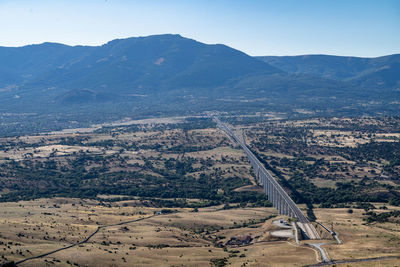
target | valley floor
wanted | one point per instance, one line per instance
(182, 237)
(180, 193)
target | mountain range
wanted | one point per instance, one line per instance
(170, 74)
(381, 72)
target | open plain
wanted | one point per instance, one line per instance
(182, 194)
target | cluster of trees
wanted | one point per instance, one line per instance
(376, 151)
(382, 217)
(32, 179)
(302, 190)
(302, 168)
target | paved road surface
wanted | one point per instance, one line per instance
(324, 257)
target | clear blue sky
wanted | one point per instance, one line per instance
(257, 27)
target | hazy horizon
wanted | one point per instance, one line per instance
(315, 54)
(260, 28)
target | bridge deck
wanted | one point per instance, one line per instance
(279, 198)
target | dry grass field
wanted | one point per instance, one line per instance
(360, 240)
(182, 238)
(29, 228)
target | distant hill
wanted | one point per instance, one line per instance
(168, 74)
(381, 72)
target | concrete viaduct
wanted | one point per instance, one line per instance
(276, 195)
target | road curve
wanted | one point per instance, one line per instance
(324, 256)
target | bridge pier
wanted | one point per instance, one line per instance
(286, 208)
(265, 187)
(279, 204)
(274, 197)
(283, 206)
(269, 192)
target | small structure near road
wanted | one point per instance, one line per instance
(282, 224)
(286, 230)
